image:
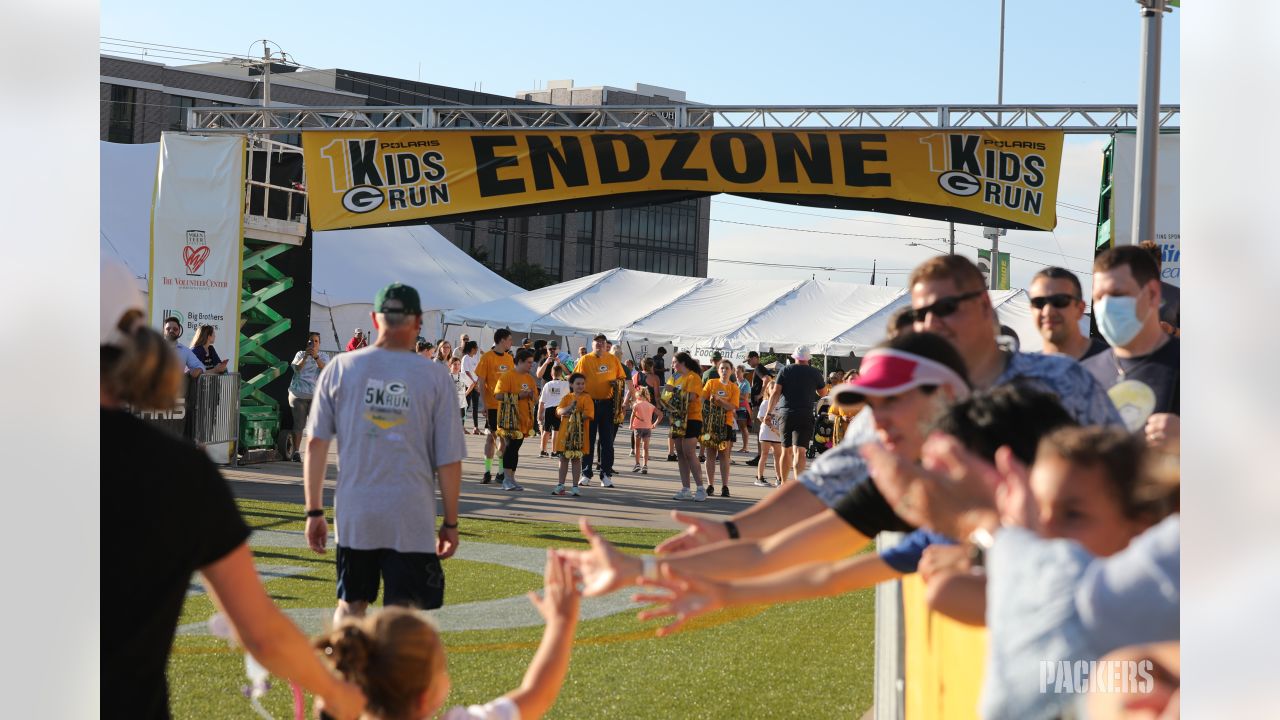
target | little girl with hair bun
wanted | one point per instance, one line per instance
(396, 657)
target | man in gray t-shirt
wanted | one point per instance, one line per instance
(395, 415)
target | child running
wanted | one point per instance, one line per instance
(573, 440)
(552, 393)
(524, 387)
(644, 415)
(397, 658)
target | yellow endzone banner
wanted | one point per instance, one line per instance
(944, 660)
(1005, 178)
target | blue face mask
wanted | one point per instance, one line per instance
(1118, 319)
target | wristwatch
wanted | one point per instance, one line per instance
(315, 512)
(980, 541)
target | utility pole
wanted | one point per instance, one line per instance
(1000, 79)
(951, 232)
(266, 74)
(1144, 190)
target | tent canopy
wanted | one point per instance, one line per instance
(710, 313)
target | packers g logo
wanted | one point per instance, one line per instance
(602, 369)
(502, 368)
(959, 183)
(363, 199)
(395, 387)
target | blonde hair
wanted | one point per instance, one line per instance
(143, 371)
(643, 393)
(392, 655)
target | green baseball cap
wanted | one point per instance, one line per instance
(397, 298)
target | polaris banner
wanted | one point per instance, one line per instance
(1005, 178)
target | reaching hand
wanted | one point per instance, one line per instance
(701, 531)
(1164, 432)
(603, 568)
(688, 597)
(560, 594)
(938, 559)
(948, 485)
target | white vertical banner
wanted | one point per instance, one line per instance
(196, 238)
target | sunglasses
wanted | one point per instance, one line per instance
(942, 308)
(1059, 300)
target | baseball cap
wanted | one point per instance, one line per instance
(553, 344)
(716, 355)
(601, 336)
(119, 295)
(397, 298)
(802, 353)
(886, 371)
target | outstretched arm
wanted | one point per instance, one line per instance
(559, 607)
(690, 597)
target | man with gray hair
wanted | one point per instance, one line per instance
(395, 415)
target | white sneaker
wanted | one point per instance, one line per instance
(511, 485)
(584, 481)
(761, 482)
(700, 495)
(684, 494)
(606, 481)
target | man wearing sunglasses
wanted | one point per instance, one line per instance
(1057, 305)
(949, 297)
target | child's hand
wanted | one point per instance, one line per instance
(560, 595)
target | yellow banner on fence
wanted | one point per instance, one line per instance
(996, 178)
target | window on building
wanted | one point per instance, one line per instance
(553, 245)
(586, 245)
(659, 238)
(177, 111)
(120, 119)
(495, 245)
(466, 234)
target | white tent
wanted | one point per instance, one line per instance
(348, 266)
(646, 309)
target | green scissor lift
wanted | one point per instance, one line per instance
(261, 281)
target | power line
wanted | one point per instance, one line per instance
(821, 215)
(825, 268)
(175, 47)
(822, 232)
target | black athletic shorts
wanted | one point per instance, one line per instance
(492, 423)
(409, 578)
(692, 428)
(550, 420)
(797, 429)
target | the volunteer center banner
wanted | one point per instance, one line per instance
(196, 222)
(995, 178)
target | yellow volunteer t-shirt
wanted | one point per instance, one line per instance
(692, 384)
(601, 372)
(492, 366)
(725, 391)
(588, 413)
(517, 382)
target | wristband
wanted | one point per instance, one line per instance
(732, 528)
(650, 567)
(449, 526)
(317, 512)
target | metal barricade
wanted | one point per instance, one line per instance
(213, 405)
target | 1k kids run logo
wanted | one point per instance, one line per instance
(195, 252)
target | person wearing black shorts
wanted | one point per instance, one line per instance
(394, 411)
(794, 399)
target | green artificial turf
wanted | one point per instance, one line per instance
(812, 659)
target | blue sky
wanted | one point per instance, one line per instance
(851, 52)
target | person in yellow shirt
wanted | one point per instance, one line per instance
(491, 367)
(573, 439)
(685, 379)
(601, 369)
(524, 387)
(724, 392)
